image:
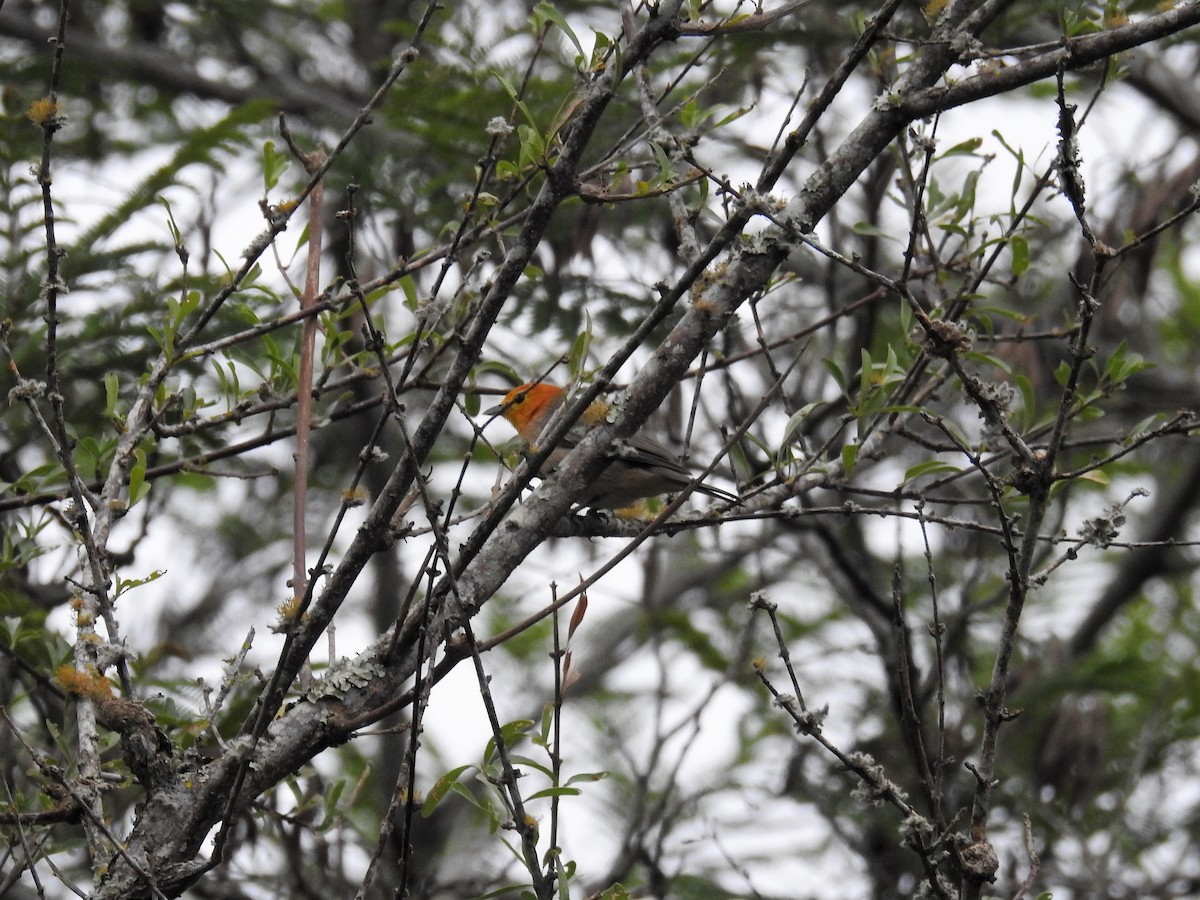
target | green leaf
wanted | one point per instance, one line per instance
(967, 147)
(176, 235)
(930, 467)
(966, 198)
(691, 116)
(1124, 363)
(519, 760)
(546, 11)
(666, 169)
(849, 458)
(906, 320)
(615, 892)
(503, 891)
(587, 777)
(566, 872)
(836, 371)
(516, 98)
(533, 145)
(866, 229)
(1019, 247)
(866, 369)
(1062, 374)
(510, 734)
(577, 359)
(480, 804)
(112, 387)
(440, 788)
(555, 792)
(1018, 155)
(547, 722)
(1028, 400)
(731, 117)
(128, 584)
(88, 455)
(138, 486)
(274, 165)
(497, 367)
(987, 360)
(798, 418)
(1143, 426)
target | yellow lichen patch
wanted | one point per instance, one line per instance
(354, 496)
(89, 684)
(289, 609)
(41, 112)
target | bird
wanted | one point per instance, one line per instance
(648, 469)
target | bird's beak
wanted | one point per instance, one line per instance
(495, 410)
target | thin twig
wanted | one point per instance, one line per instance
(312, 161)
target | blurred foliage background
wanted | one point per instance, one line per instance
(891, 573)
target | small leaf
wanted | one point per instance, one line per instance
(865, 372)
(617, 891)
(1124, 363)
(988, 360)
(176, 234)
(588, 776)
(512, 92)
(138, 488)
(798, 418)
(533, 145)
(274, 165)
(1028, 399)
(577, 615)
(966, 199)
(531, 763)
(666, 170)
(543, 738)
(471, 400)
(509, 733)
(1143, 426)
(836, 371)
(128, 584)
(579, 349)
(1019, 247)
(930, 467)
(555, 792)
(505, 891)
(549, 12)
(111, 392)
(849, 458)
(866, 229)
(967, 147)
(439, 790)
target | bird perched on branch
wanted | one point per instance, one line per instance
(644, 469)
